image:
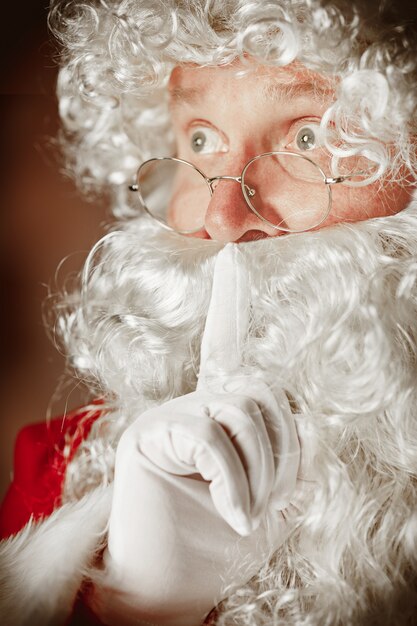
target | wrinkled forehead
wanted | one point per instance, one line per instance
(190, 83)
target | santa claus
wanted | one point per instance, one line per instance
(247, 327)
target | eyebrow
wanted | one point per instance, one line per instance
(280, 91)
(275, 91)
(185, 95)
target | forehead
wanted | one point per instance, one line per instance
(190, 84)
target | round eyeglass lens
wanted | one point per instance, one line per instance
(174, 193)
(287, 190)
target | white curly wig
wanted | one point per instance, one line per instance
(118, 56)
(334, 320)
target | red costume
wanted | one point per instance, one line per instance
(41, 456)
(42, 453)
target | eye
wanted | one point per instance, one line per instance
(307, 138)
(206, 140)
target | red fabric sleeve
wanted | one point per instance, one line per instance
(42, 453)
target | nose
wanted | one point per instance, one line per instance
(229, 219)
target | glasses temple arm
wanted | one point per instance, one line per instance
(333, 180)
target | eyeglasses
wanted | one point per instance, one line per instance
(286, 190)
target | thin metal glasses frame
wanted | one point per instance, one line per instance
(246, 190)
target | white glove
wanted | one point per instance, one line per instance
(198, 488)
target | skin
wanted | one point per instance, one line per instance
(243, 116)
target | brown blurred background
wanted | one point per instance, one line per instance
(44, 219)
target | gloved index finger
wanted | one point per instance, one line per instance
(227, 318)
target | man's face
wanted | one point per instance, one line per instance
(222, 120)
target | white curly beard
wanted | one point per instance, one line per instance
(326, 316)
(334, 324)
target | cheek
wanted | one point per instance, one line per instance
(351, 204)
(188, 204)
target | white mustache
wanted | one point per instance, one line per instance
(317, 302)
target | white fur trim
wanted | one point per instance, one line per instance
(41, 568)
